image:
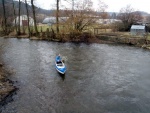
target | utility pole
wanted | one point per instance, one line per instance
(72, 8)
(73, 14)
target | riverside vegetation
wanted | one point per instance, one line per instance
(6, 86)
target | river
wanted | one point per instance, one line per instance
(100, 78)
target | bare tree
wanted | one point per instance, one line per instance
(83, 15)
(57, 16)
(18, 23)
(148, 19)
(4, 17)
(14, 14)
(129, 16)
(34, 17)
(147, 22)
(102, 10)
(29, 33)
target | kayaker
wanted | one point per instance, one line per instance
(58, 58)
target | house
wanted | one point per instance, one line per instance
(138, 30)
(23, 20)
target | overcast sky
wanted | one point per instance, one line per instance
(113, 5)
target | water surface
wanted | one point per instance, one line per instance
(100, 78)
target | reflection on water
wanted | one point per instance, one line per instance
(100, 78)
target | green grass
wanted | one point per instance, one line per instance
(148, 38)
(62, 28)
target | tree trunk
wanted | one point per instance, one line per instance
(19, 32)
(34, 18)
(57, 17)
(14, 11)
(4, 18)
(29, 33)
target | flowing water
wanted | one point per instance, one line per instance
(100, 78)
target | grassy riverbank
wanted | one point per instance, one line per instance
(126, 38)
(103, 37)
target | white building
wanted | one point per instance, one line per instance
(23, 21)
(108, 21)
(137, 30)
(52, 20)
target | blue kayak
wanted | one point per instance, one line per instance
(60, 66)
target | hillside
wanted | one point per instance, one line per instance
(8, 3)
